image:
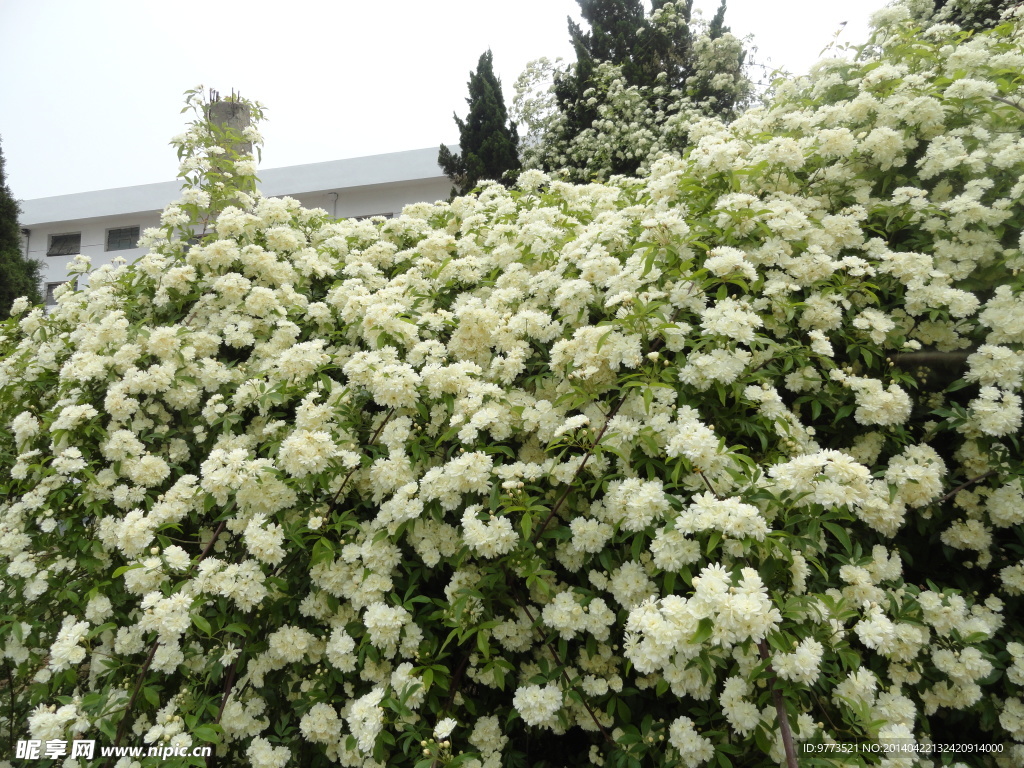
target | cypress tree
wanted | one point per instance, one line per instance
(489, 142)
(19, 276)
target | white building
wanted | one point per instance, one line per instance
(106, 223)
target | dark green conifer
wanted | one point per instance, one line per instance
(19, 276)
(488, 141)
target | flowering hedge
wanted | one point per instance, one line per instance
(680, 470)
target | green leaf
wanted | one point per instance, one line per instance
(202, 624)
(713, 539)
(622, 710)
(152, 695)
(92, 632)
(209, 733)
(526, 524)
(840, 533)
(125, 569)
(323, 551)
(704, 630)
(482, 644)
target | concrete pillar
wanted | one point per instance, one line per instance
(233, 116)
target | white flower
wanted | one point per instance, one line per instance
(340, 650)
(725, 261)
(694, 749)
(98, 609)
(262, 755)
(730, 516)
(320, 724)
(731, 318)
(366, 719)
(491, 539)
(66, 651)
(589, 535)
(306, 452)
(264, 543)
(290, 644)
(444, 728)
(384, 624)
(537, 705)
(802, 664)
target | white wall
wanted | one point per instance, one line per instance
(94, 241)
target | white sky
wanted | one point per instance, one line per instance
(92, 89)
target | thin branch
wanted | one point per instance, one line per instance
(557, 658)
(656, 345)
(228, 685)
(966, 483)
(707, 483)
(565, 676)
(929, 359)
(156, 643)
(208, 547)
(135, 693)
(391, 412)
(456, 683)
(10, 686)
(1009, 103)
(568, 487)
(780, 709)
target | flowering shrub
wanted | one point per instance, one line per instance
(684, 470)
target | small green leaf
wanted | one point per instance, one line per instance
(202, 624)
(840, 533)
(713, 539)
(704, 630)
(526, 523)
(125, 569)
(210, 733)
(152, 695)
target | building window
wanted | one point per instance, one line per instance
(50, 288)
(374, 216)
(65, 245)
(122, 239)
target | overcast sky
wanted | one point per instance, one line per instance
(92, 89)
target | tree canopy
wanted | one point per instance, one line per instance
(19, 275)
(488, 142)
(967, 14)
(636, 76)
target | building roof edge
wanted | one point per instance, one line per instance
(387, 168)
